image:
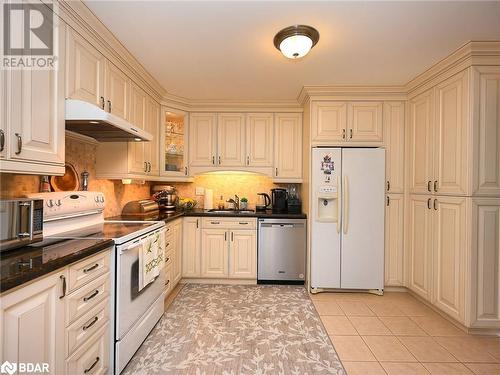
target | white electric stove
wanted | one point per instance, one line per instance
(80, 214)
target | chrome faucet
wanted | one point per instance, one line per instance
(235, 202)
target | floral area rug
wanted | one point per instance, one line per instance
(233, 330)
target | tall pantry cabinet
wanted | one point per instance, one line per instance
(454, 179)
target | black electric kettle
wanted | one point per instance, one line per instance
(263, 202)
(279, 200)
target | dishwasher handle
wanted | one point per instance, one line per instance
(282, 225)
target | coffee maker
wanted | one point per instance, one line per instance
(279, 198)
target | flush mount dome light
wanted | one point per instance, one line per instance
(296, 41)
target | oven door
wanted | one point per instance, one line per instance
(131, 303)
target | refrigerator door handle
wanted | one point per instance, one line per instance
(345, 195)
(339, 205)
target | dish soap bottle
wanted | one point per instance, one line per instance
(220, 204)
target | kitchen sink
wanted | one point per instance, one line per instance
(217, 211)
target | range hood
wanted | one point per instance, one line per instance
(92, 121)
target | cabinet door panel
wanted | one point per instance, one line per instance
(214, 253)
(3, 113)
(449, 255)
(136, 153)
(231, 140)
(394, 124)
(151, 149)
(259, 142)
(32, 324)
(420, 243)
(451, 133)
(85, 70)
(202, 139)
(364, 122)
(177, 236)
(117, 91)
(243, 254)
(191, 247)
(487, 179)
(288, 146)
(421, 119)
(394, 250)
(329, 122)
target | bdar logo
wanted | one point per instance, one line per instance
(8, 368)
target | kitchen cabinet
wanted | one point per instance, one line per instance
(214, 253)
(449, 255)
(202, 139)
(191, 247)
(420, 246)
(151, 149)
(394, 236)
(117, 91)
(3, 113)
(243, 254)
(84, 70)
(259, 139)
(329, 121)
(394, 130)
(136, 155)
(177, 251)
(32, 323)
(231, 140)
(174, 144)
(288, 147)
(364, 122)
(33, 119)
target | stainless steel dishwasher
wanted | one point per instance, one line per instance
(281, 254)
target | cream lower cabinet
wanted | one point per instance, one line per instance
(191, 247)
(177, 264)
(214, 253)
(32, 323)
(243, 254)
(438, 243)
(394, 245)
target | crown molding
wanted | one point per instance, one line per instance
(325, 92)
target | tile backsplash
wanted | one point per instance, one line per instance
(82, 156)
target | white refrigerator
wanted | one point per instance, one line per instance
(347, 223)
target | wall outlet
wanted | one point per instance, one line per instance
(199, 190)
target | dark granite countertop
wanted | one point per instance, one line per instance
(170, 216)
(22, 265)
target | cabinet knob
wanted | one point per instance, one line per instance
(102, 102)
(350, 133)
(109, 106)
(213, 160)
(429, 203)
(388, 200)
(388, 186)
(276, 172)
(19, 143)
(429, 186)
(2, 140)
(145, 166)
(435, 204)
(63, 279)
(343, 133)
(435, 186)
(186, 171)
(248, 160)
(220, 160)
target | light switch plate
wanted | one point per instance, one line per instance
(199, 190)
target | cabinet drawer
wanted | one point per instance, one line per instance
(92, 358)
(87, 270)
(168, 279)
(168, 258)
(169, 242)
(86, 298)
(229, 223)
(81, 330)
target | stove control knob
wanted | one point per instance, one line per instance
(58, 203)
(50, 203)
(101, 199)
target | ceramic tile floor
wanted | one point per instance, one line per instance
(396, 334)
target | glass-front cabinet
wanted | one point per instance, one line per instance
(173, 143)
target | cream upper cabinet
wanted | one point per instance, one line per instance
(259, 139)
(394, 245)
(202, 139)
(137, 161)
(449, 255)
(117, 91)
(421, 142)
(394, 126)
(151, 149)
(243, 254)
(329, 122)
(452, 136)
(231, 140)
(84, 70)
(32, 325)
(191, 247)
(214, 253)
(420, 246)
(487, 122)
(364, 122)
(288, 146)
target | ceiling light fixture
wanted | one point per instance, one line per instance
(296, 41)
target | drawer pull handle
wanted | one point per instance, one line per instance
(63, 287)
(19, 143)
(87, 270)
(243, 223)
(215, 222)
(429, 186)
(166, 260)
(87, 326)
(168, 282)
(88, 298)
(429, 203)
(435, 186)
(97, 359)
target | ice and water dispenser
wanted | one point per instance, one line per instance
(328, 193)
